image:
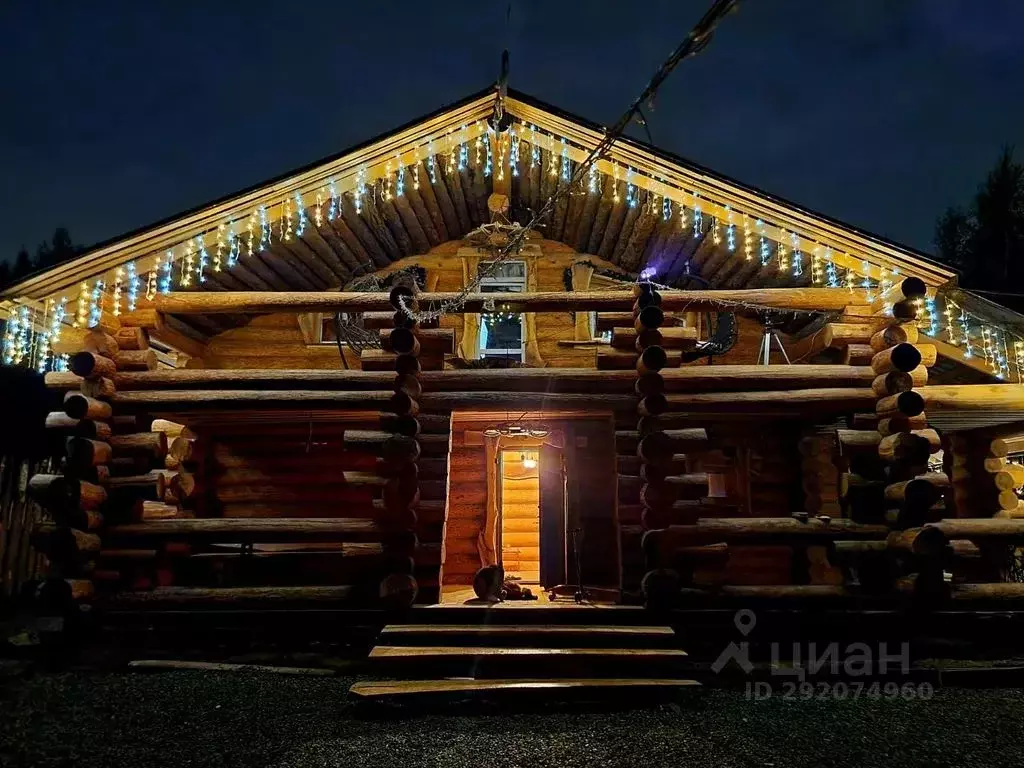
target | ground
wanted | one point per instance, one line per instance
(254, 720)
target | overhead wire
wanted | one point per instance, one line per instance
(695, 42)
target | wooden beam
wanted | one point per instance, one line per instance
(820, 299)
(424, 206)
(718, 378)
(602, 211)
(453, 183)
(199, 399)
(818, 401)
(254, 529)
(634, 247)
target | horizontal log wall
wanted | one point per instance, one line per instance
(275, 341)
(466, 507)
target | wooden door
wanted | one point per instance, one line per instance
(552, 516)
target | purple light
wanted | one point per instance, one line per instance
(647, 273)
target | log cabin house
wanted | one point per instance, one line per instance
(341, 388)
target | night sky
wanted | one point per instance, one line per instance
(880, 113)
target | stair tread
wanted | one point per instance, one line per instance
(444, 651)
(523, 629)
(375, 688)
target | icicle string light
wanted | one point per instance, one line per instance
(96, 304)
(513, 151)
(300, 214)
(189, 261)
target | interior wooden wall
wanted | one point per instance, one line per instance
(520, 516)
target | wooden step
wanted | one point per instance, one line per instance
(505, 661)
(526, 635)
(546, 689)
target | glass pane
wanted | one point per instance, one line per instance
(501, 288)
(501, 333)
(516, 355)
(506, 269)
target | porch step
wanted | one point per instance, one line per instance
(535, 635)
(533, 662)
(546, 689)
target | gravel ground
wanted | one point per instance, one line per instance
(255, 720)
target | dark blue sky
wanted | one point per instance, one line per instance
(877, 112)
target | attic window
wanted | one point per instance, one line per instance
(501, 331)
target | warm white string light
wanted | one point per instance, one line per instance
(782, 255)
(118, 288)
(286, 220)
(218, 251)
(151, 280)
(82, 315)
(824, 268)
(748, 239)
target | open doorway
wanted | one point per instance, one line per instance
(520, 514)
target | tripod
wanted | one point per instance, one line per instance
(771, 333)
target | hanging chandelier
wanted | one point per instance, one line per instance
(517, 429)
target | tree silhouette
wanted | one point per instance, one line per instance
(59, 249)
(986, 241)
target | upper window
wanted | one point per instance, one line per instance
(605, 336)
(501, 332)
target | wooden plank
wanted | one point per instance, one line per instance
(254, 302)
(255, 529)
(514, 630)
(547, 687)
(442, 651)
(162, 596)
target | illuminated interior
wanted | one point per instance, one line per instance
(520, 515)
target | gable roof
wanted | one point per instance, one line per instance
(427, 181)
(666, 172)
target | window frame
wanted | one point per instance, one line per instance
(515, 284)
